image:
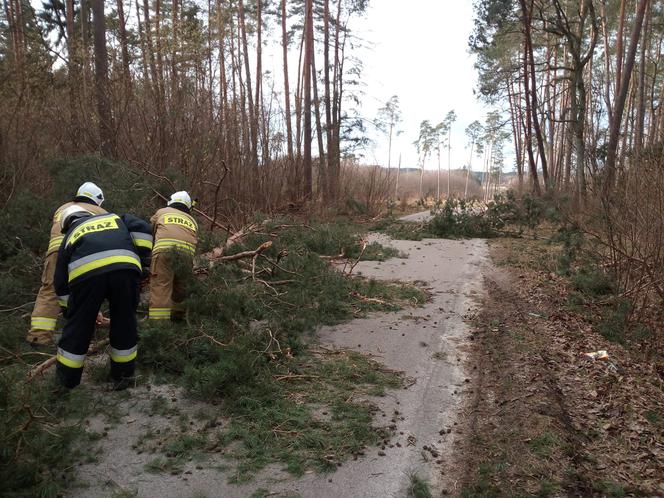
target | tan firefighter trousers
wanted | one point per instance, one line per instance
(167, 291)
(47, 308)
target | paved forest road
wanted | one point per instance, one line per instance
(426, 343)
(417, 217)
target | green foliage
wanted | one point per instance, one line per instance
(124, 188)
(654, 418)
(612, 489)
(240, 337)
(40, 428)
(418, 487)
(317, 431)
(243, 344)
(404, 230)
(592, 282)
(330, 239)
(543, 445)
(614, 324)
(456, 218)
(572, 239)
(482, 486)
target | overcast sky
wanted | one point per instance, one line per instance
(418, 51)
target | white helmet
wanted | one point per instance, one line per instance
(92, 192)
(70, 214)
(181, 197)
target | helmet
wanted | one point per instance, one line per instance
(181, 197)
(71, 214)
(92, 192)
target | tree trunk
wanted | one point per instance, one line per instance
(159, 54)
(438, 190)
(641, 88)
(174, 53)
(334, 147)
(449, 160)
(614, 126)
(73, 77)
(322, 189)
(106, 129)
(253, 131)
(122, 28)
(470, 167)
(287, 117)
(224, 125)
(396, 183)
(516, 134)
(619, 47)
(259, 77)
(533, 93)
(328, 109)
(308, 57)
(529, 111)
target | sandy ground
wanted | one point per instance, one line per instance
(426, 343)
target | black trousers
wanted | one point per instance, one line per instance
(121, 289)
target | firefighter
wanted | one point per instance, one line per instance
(101, 257)
(175, 235)
(47, 306)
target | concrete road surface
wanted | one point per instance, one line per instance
(417, 217)
(426, 343)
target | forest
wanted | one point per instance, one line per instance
(491, 326)
(582, 88)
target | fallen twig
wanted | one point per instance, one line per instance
(364, 248)
(42, 367)
(7, 310)
(367, 299)
(294, 376)
(332, 258)
(241, 255)
(212, 339)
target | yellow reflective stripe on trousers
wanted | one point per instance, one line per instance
(70, 360)
(42, 323)
(123, 355)
(175, 244)
(55, 242)
(159, 313)
(101, 259)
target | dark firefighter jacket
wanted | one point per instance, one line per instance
(100, 244)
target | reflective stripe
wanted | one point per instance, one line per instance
(100, 259)
(82, 229)
(159, 313)
(55, 242)
(142, 239)
(63, 300)
(175, 244)
(70, 360)
(43, 323)
(99, 255)
(123, 355)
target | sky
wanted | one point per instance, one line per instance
(418, 51)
